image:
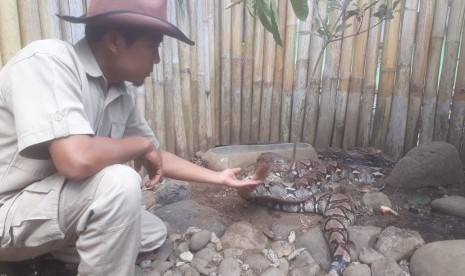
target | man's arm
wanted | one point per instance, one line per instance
(80, 156)
(179, 168)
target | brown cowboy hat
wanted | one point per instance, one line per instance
(144, 13)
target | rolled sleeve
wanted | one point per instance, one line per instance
(47, 100)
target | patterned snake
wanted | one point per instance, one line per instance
(299, 187)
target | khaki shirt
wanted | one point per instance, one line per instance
(49, 90)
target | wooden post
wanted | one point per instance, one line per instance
(398, 118)
(417, 81)
(342, 94)
(267, 90)
(313, 79)
(49, 22)
(387, 78)
(300, 78)
(72, 32)
(201, 80)
(226, 75)
(328, 90)
(355, 86)
(10, 40)
(446, 83)
(215, 65)
(278, 76)
(182, 17)
(257, 80)
(158, 109)
(288, 74)
(369, 84)
(236, 71)
(247, 79)
(29, 21)
(432, 72)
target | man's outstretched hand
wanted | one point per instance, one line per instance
(228, 178)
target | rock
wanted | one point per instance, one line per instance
(316, 244)
(433, 164)
(439, 258)
(257, 262)
(203, 266)
(451, 205)
(282, 248)
(355, 269)
(363, 236)
(188, 270)
(229, 267)
(209, 255)
(369, 255)
(244, 236)
(170, 191)
(184, 214)
(397, 243)
(386, 267)
(199, 240)
(373, 201)
(273, 272)
(304, 264)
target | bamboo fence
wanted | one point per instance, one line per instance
(396, 85)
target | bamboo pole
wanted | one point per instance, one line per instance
(205, 115)
(313, 78)
(387, 78)
(197, 95)
(355, 85)
(300, 80)
(29, 22)
(10, 40)
(278, 75)
(236, 71)
(446, 82)
(457, 116)
(432, 72)
(342, 94)
(257, 80)
(369, 84)
(226, 75)
(417, 82)
(180, 136)
(182, 17)
(247, 79)
(215, 65)
(267, 89)
(72, 32)
(49, 22)
(158, 108)
(328, 90)
(399, 108)
(288, 74)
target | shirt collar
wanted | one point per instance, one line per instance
(87, 58)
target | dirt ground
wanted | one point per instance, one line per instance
(432, 226)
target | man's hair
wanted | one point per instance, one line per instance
(94, 33)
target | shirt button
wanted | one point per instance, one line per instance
(58, 117)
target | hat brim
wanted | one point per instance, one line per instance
(131, 18)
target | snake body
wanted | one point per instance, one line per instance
(298, 187)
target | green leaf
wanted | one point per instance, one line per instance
(250, 4)
(419, 199)
(300, 8)
(267, 16)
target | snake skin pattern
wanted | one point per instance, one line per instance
(299, 188)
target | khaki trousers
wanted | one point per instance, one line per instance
(104, 225)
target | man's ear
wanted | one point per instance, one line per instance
(114, 41)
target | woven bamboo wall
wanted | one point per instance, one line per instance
(392, 87)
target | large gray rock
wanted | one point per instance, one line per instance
(451, 205)
(433, 164)
(439, 258)
(243, 235)
(397, 243)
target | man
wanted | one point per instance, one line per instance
(67, 123)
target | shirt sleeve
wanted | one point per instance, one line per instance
(47, 102)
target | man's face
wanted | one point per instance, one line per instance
(135, 62)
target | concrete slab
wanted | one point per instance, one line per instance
(220, 158)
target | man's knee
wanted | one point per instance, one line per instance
(122, 184)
